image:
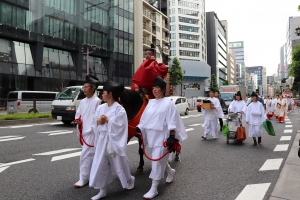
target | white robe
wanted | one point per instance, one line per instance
(158, 119)
(114, 132)
(269, 107)
(276, 109)
(86, 109)
(211, 117)
(282, 108)
(255, 116)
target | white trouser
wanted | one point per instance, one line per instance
(255, 130)
(210, 127)
(158, 167)
(86, 160)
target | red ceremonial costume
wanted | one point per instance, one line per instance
(145, 75)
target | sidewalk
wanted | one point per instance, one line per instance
(288, 183)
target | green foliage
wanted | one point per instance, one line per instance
(175, 72)
(17, 116)
(248, 94)
(299, 8)
(295, 69)
(213, 82)
(225, 82)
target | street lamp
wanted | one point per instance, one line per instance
(298, 31)
(88, 52)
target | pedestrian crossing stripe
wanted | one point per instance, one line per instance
(281, 147)
(271, 164)
(254, 191)
(11, 137)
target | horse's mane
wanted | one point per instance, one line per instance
(131, 101)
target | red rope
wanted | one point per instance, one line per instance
(175, 147)
(80, 127)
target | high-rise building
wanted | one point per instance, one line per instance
(41, 43)
(231, 68)
(240, 58)
(283, 73)
(251, 83)
(260, 71)
(292, 39)
(188, 43)
(217, 46)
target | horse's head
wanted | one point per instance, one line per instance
(131, 101)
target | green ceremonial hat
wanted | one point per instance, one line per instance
(269, 127)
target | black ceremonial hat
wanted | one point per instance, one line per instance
(254, 94)
(91, 79)
(159, 82)
(152, 48)
(239, 94)
(115, 88)
(212, 90)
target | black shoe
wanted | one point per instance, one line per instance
(255, 143)
(259, 140)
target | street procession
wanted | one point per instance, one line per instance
(149, 99)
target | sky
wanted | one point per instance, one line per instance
(261, 24)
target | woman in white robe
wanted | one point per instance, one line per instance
(160, 122)
(269, 107)
(276, 109)
(282, 107)
(211, 117)
(111, 134)
(86, 111)
(255, 116)
(238, 106)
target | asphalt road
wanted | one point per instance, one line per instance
(41, 162)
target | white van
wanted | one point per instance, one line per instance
(23, 101)
(181, 104)
(67, 101)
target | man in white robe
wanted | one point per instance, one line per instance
(238, 106)
(211, 117)
(255, 116)
(85, 111)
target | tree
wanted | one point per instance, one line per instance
(225, 82)
(295, 68)
(299, 8)
(175, 72)
(213, 83)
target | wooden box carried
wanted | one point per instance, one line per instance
(207, 105)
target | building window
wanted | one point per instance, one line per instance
(189, 53)
(188, 4)
(173, 27)
(188, 28)
(188, 36)
(173, 44)
(173, 36)
(172, 53)
(188, 20)
(188, 12)
(189, 45)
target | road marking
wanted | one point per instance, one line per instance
(61, 133)
(288, 131)
(133, 142)
(10, 138)
(56, 152)
(24, 126)
(285, 138)
(57, 132)
(271, 164)
(281, 147)
(189, 116)
(288, 122)
(189, 129)
(57, 123)
(3, 168)
(70, 155)
(52, 131)
(195, 125)
(254, 191)
(16, 162)
(288, 126)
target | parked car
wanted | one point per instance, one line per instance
(181, 104)
(200, 101)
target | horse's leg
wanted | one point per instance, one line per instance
(141, 165)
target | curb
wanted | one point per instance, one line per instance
(27, 121)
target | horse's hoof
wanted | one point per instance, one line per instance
(139, 171)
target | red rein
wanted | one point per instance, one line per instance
(80, 127)
(175, 147)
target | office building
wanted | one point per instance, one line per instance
(292, 39)
(260, 71)
(41, 43)
(217, 46)
(231, 68)
(240, 58)
(251, 83)
(283, 70)
(188, 42)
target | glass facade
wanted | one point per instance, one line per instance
(42, 42)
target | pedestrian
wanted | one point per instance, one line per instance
(223, 105)
(160, 122)
(211, 116)
(276, 109)
(84, 116)
(238, 106)
(255, 116)
(282, 109)
(111, 135)
(269, 107)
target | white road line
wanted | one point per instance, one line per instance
(254, 191)
(57, 123)
(288, 126)
(271, 164)
(189, 129)
(9, 136)
(281, 147)
(16, 162)
(195, 125)
(61, 133)
(288, 122)
(52, 131)
(185, 117)
(133, 142)
(14, 138)
(288, 131)
(24, 126)
(56, 152)
(70, 155)
(3, 168)
(285, 138)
